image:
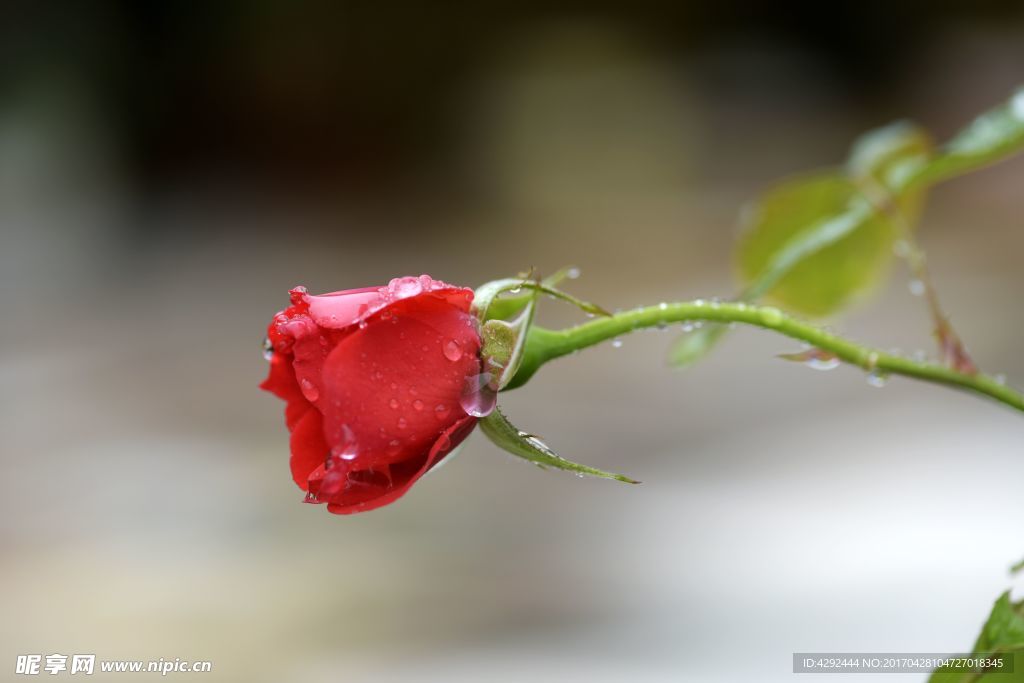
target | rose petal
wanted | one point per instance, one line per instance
(403, 475)
(396, 384)
(309, 449)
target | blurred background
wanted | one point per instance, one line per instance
(168, 171)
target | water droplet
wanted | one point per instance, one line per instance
(822, 363)
(405, 287)
(1017, 105)
(617, 343)
(385, 315)
(698, 302)
(393, 403)
(309, 389)
(452, 350)
(573, 273)
(1000, 379)
(268, 349)
(877, 378)
(688, 327)
(478, 397)
(394, 386)
(394, 446)
(442, 411)
(916, 287)
(771, 316)
(417, 404)
(663, 306)
(402, 423)
(412, 390)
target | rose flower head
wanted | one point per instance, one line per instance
(373, 379)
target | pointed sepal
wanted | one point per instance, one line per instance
(527, 446)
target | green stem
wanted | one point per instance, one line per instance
(544, 345)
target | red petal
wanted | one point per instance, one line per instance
(309, 449)
(395, 385)
(371, 495)
(339, 310)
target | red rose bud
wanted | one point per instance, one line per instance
(374, 381)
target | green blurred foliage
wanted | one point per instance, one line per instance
(1003, 633)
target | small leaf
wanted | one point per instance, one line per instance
(813, 358)
(1003, 633)
(505, 435)
(813, 243)
(1019, 567)
(693, 346)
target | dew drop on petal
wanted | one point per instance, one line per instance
(402, 423)
(405, 287)
(393, 403)
(394, 446)
(417, 404)
(442, 411)
(452, 350)
(309, 389)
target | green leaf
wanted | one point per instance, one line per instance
(813, 243)
(991, 137)
(693, 346)
(520, 444)
(1002, 633)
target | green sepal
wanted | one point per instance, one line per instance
(528, 447)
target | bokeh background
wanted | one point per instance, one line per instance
(168, 171)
